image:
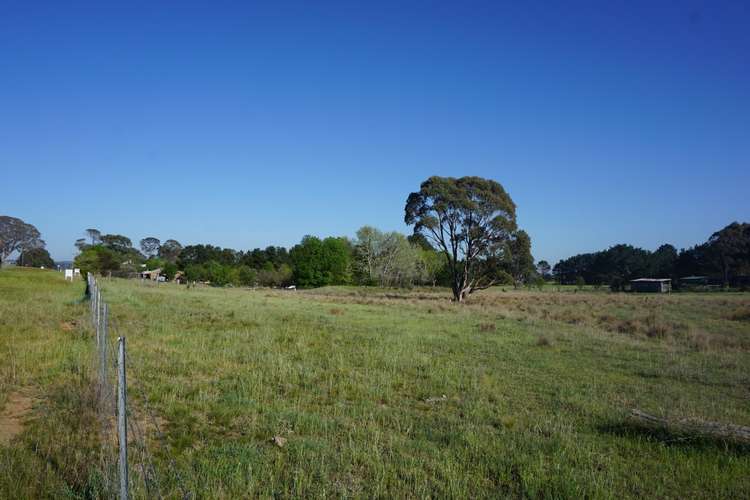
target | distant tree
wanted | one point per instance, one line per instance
(117, 243)
(431, 263)
(543, 268)
(17, 235)
(81, 244)
(150, 246)
(580, 282)
(35, 257)
(98, 259)
(196, 272)
(729, 249)
(95, 235)
(170, 250)
(366, 248)
(317, 262)
(521, 261)
(169, 269)
(247, 276)
(397, 261)
(154, 263)
(471, 220)
(663, 262)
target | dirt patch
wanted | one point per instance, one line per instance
(68, 326)
(12, 417)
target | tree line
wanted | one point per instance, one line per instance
(724, 258)
(464, 237)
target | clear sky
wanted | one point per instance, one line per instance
(245, 124)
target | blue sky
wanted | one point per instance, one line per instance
(244, 124)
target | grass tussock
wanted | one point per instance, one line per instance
(741, 314)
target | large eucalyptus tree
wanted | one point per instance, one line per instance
(472, 221)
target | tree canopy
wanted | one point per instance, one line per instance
(319, 262)
(724, 258)
(472, 221)
(35, 257)
(17, 235)
(150, 246)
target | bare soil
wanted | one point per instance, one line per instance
(13, 416)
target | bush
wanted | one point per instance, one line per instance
(580, 282)
(97, 259)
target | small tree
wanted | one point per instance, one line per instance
(580, 282)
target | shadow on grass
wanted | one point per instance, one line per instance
(674, 438)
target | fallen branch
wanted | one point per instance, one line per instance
(694, 426)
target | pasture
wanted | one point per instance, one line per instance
(379, 393)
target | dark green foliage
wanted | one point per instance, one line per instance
(117, 243)
(169, 269)
(154, 263)
(521, 262)
(170, 250)
(98, 259)
(317, 262)
(473, 222)
(725, 258)
(203, 254)
(729, 250)
(35, 257)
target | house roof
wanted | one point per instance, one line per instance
(650, 280)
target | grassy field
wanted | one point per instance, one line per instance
(379, 393)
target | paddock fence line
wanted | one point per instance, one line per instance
(124, 433)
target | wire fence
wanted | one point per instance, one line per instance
(126, 455)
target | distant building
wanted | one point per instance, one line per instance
(689, 281)
(151, 275)
(651, 285)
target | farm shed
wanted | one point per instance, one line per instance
(694, 281)
(653, 285)
(151, 275)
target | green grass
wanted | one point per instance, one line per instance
(537, 386)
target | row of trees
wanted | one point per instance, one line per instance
(725, 257)
(465, 237)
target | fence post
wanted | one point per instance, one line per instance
(98, 307)
(104, 389)
(122, 422)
